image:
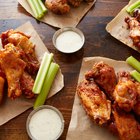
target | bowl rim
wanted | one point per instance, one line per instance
(61, 30)
(38, 109)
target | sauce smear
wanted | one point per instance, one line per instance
(45, 125)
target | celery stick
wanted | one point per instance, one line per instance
(31, 4)
(46, 85)
(135, 75)
(44, 9)
(44, 67)
(133, 6)
(134, 63)
(39, 9)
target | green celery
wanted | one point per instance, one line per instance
(44, 9)
(32, 5)
(41, 98)
(135, 75)
(134, 63)
(39, 9)
(133, 6)
(43, 70)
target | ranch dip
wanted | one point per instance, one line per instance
(69, 41)
(45, 124)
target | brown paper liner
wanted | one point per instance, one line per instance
(12, 108)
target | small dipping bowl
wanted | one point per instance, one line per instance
(68, 40)
(45, 123)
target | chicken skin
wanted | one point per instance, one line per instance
(25, 46)
(125, 92)
(128, 128)
(94, 102)
(104, 76)
(13, 68)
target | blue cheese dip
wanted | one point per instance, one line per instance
(45, 124)
(69, 42)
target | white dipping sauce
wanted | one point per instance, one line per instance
(69, 41)
(45, 124)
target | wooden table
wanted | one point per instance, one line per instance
(98, 43)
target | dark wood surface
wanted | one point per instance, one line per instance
(98, 43)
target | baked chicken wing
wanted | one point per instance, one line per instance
(104, 76)
(137, 104)
(125, 92)
(58, 6)
(13, 68)
(26, 48)
(128, 128)
(134, 26)
(27, 83)
(94, 102)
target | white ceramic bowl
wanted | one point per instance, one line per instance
(38, 109)
(62, 30)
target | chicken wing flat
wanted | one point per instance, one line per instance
(94, 102)
(13, 68)
(125, 92)
(104, 76)
(21, 41)
(128, 128)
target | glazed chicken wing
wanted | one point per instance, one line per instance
(134, 27)
(94, 102)
(125, 92)
(104, 76)
(58, 6)
(27, 83)
(128, 128)
(13, 68)
(26, 47)
(137, 105)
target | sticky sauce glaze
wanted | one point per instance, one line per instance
(45, 125)
(69, 41)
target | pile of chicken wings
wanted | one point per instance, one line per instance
(112, 100)
(18, 63)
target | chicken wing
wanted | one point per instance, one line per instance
(137, 104)
(104, 76)
(27, 48)
(94, 102)
(57, 6)
(134, 26)
(125, 92)
(128, 128)
(13, 68)
(27, 83)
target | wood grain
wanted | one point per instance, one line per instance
(98, 43)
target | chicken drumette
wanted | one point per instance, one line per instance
(104, 76)
(125, 92)
(94, 102)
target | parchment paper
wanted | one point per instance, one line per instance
(68, 20)
(12, 108)
(118, 28)
(81, 127)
